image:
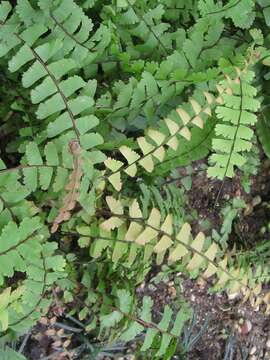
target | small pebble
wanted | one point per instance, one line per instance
(268, 344)
(246, 327)
(172, 292)
(57, 344)
(233, 296)
(256, 200)
(66, 343)
(43, 321)
(248, 210)
(253, 350)
(53, 320)
(50, 332)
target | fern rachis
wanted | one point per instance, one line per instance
(234, 134)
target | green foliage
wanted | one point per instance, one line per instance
(162, 336)
(240, 11)
(229, 214)
(263, 133)
(101, 103)
(234, 135)
(9, 354)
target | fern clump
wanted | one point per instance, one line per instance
(101, 105)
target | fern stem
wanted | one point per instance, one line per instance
(67, 33)
(225, 8)
(18, 244)
(142, 322)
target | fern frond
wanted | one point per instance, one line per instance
(70, 25)
(197, 148)
(54, 96)
(22, 249)
(35, 172)
(234, 133)
(240, 11)
(168, 199)
(263, 130)
(137, 321)
(153, 146)
(198, 255)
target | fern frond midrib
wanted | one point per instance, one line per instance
(74, 181)
(150, 29)
(22, 167)
(236, 131)
(167, 139)
(225, 8)
(145, 324)
(19, 243)
(67, 33)
(204, 139)
(187, 246)
(38, 58)
(43, 291)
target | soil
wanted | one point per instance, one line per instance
(229, 322)
(209, 196)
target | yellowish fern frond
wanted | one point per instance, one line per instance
(198, 255)
(152, 147)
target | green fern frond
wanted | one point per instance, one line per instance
(24, 250)
(9, 354)
(240, 11)
(234, 133)
(54, 96)
(168, 199)
(263, 130)
(70, 25)
(138, 322)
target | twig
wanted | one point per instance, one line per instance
(24, 342)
